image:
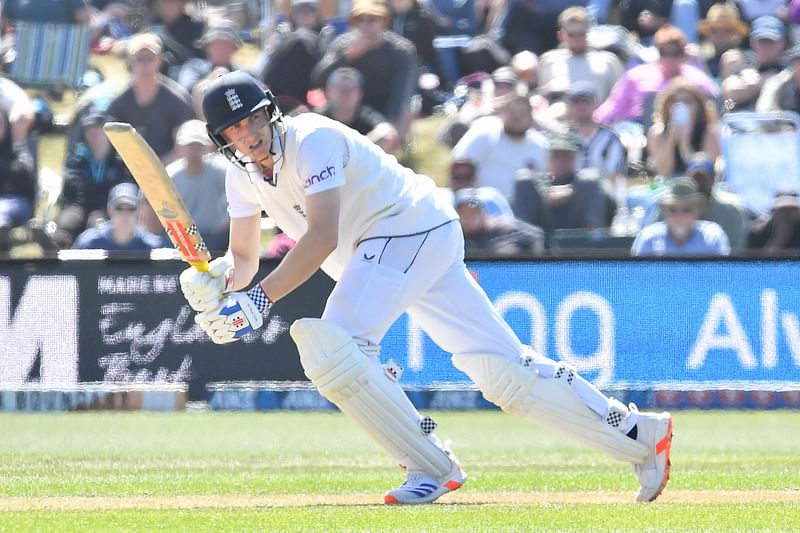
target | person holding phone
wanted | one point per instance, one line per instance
(684, 122)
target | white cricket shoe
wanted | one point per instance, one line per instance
(421, 487)
(654, 430)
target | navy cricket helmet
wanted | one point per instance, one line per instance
(232, 97)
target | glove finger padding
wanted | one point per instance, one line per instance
(204, 290)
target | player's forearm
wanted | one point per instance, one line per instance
(299, 264)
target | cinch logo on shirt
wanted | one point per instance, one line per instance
(322, 176)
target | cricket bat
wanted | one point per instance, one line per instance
(157, 186)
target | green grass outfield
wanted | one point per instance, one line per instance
(319, 472)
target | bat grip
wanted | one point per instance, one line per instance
(202, 266)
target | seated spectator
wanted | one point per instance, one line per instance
(89, 174)
(219, 42)
(180, 34)
(744, 73)
(505, 81)
(343, 95)
(154, 104)
(17, 183)
(684, 122)
(573, 61)
(569, 198)
(292, 51)
(720, 206)
(462, 176)
(122, 232)
(600, 146)
(19, 111)
(487, 234)
(503, 144)
(111, 20)
(681, 233)
(782, 91)
(199, 176)
(645, 17)
(636, 89)
(724, 31)
(778, 231)
(386, 61)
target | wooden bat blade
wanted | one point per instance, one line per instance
(152, 177)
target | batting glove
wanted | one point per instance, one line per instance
(237, 315)
(204, 290)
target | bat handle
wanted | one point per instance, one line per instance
(202, 266)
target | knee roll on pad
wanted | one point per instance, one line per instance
(552, 402)
(358, 385)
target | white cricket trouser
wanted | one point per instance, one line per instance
(424, 275)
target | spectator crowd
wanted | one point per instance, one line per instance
(617, 125)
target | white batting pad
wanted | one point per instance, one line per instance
(361, 388)
(552, 402)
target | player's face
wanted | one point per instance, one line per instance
(252, 137)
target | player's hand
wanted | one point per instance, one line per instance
(204, 290)
(236, 316)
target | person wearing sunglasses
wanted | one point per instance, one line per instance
(633, 96)
(681, 232)
(152, 103)
(122, 232)
(575, 61)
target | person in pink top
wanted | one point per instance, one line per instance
(632, 96)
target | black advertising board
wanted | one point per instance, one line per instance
(123, 321)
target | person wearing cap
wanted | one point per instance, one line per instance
(634, 93)
(573, 61)
(392, 244)
(293, 50)
(343, 102)
(386, 60)
(778, 231)
(220, 42)
(505, 81)
(682, 232)
(724, 30)
(199, 177)
(571, 199)
(782, 91)
(122, 232)
(90, 172)
(502, 144)
(181, 31)
(153, 103)
(600, 146)
(720, 206)
(745, 73)
(488, 231)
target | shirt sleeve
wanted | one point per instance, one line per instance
(618, 104)
(320, 160)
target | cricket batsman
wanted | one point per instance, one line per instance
(393, 245)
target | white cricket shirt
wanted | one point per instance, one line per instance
(379, 198)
